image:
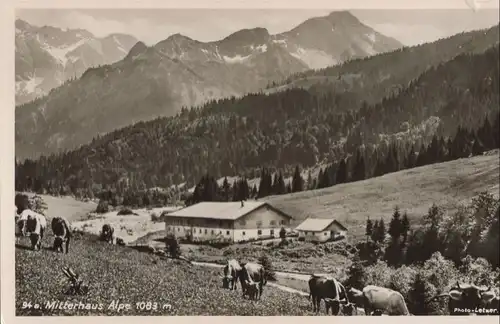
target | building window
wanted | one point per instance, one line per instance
(178, 229)
(220, 232)
(243, 233)
(326, 233)
(272, 232)
(243, 223)
(282, 222)
(205, 231)
(212, 232)
(259, 232)
(259, 223)
(227, 232)
(306, 233)
(273, 222)
(200, 230)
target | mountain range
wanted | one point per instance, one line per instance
(46, 57)
(181, 72)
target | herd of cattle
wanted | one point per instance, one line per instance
(34, 225)
(464, 299)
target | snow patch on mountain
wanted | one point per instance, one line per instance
(262, 48)
(314, 59)
(280, 41)
(235, 59)
(120, 46)
(372, 37)
(29, 86)
(60, 52)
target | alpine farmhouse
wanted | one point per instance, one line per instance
(227, 221)
(320, 230)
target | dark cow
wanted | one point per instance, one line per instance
(231, 274)
(467, 299)
(377, 300)
(107, 233)
(252, 273)
(329, 289)
(62, 234)
(34, 225)
(252, 290)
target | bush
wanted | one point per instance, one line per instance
(283, 233)
(172, 245)
(356, 275)
(126, 211)
(155, 218)
(479, 272)
(22, 202)
(302, 239)
(379, 274)
(102, 207)
(402, 280)
(420, 292)
(268, 267)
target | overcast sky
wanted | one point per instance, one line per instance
(153, 25)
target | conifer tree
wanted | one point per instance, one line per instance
(405, 227)
(369, 227)
(297, 181)
(342, 172)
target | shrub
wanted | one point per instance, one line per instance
(478, 271)
(126, 211)
(102, 207)
(155, 218)
(420, 292)
(356, 275)
(22, 202)
(402, 280)
(283, 233)
(268, 267)
(378, 274)
(302, 239)
(172, 245)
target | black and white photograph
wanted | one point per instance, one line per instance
(256, 161)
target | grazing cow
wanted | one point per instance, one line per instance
(252, 290)
(465, 299)
(252, 273)
(62, 233)
(329, 289)
(107, 233)
(376, 299)
(34, 225)
(231, 274)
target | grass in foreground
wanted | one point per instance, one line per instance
(119, 273)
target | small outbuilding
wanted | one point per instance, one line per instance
(321, 230)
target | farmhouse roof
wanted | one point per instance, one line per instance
(222, 210)
(318, 224)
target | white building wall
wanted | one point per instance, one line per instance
(247, 234)
(315, 236)
(201, 233)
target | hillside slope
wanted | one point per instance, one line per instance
(180, 71)
(415, 190)
(118, 273)
(46, 57)
(239, 137)
(382, 75)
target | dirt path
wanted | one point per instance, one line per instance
(286, 275)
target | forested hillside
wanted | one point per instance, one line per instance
(295, 127)
(370, 79)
